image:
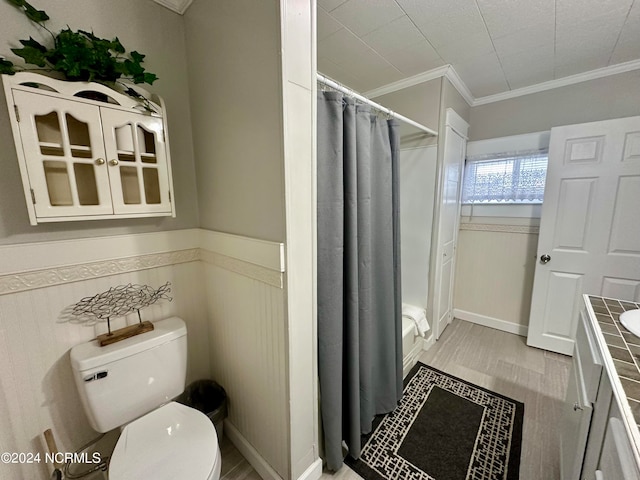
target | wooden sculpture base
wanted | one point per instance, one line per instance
(126, 332)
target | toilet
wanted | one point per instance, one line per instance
(130, 384)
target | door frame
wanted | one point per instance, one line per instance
(455, 124)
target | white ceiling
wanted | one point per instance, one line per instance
(495, 46)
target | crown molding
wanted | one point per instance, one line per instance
(446, 71)
(408, 82)
(459, 85)
(449, 72)
(560, 82)
(178, 6)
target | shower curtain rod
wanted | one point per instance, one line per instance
(341, 88)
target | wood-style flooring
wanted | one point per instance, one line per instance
(492, 359)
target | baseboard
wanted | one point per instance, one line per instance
(314, 472)
(428, 342)
(256, 460)
(419, 345)
(491, 322)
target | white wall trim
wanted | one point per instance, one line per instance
(408, 82)
(490, 227)
(560, 82)
(459, 85)
(256, 460)
(507, 210)
(449, 72)
(19, 258)
(259, 252)
(178, 6)
(491, 322)
(511, 143)
(457, 123)
(445, 71)
(264, 275)
(20, 282)
(428, 342)
(314, 472)
(38, 265)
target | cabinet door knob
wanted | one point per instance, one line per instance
(113, 162)
(576, 407)
(99, 161)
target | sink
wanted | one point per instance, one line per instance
(631, 321)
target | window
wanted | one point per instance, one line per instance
(505, 179)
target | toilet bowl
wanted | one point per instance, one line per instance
(130, 384)
(172, 442)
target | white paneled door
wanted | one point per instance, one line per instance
(590, 228)
(455, 145)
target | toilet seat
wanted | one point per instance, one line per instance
(174, 441)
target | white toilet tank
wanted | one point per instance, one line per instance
(125, 380)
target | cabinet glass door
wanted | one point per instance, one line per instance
(136, 155)
(65, 156)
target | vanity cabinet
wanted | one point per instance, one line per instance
(87, 152)
(583, 406)
(598, 430)
(616, 460)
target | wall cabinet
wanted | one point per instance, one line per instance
(87, 152)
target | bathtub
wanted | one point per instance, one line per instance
(412, 345)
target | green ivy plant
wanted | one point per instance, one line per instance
(78, 55)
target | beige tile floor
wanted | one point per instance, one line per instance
(492, 359)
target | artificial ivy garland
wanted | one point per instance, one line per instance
(78, 55)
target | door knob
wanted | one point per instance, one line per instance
(113, 162)
(99, 161)
(545, 258)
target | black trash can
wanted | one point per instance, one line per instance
(208, 397)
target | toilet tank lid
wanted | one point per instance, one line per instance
(91, 355)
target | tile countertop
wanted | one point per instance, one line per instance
(623, 362)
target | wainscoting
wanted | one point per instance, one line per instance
(37, 390)
(247, 339)
(495, 265)
(228, 289)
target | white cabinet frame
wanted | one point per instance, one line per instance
(148, 174)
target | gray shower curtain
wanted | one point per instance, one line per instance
(359, 303)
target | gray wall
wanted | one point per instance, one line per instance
(143, 26)
(602, 99)
(420, 103)
(451, 98)
(233, 51)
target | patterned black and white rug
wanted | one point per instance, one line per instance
(444, 429)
